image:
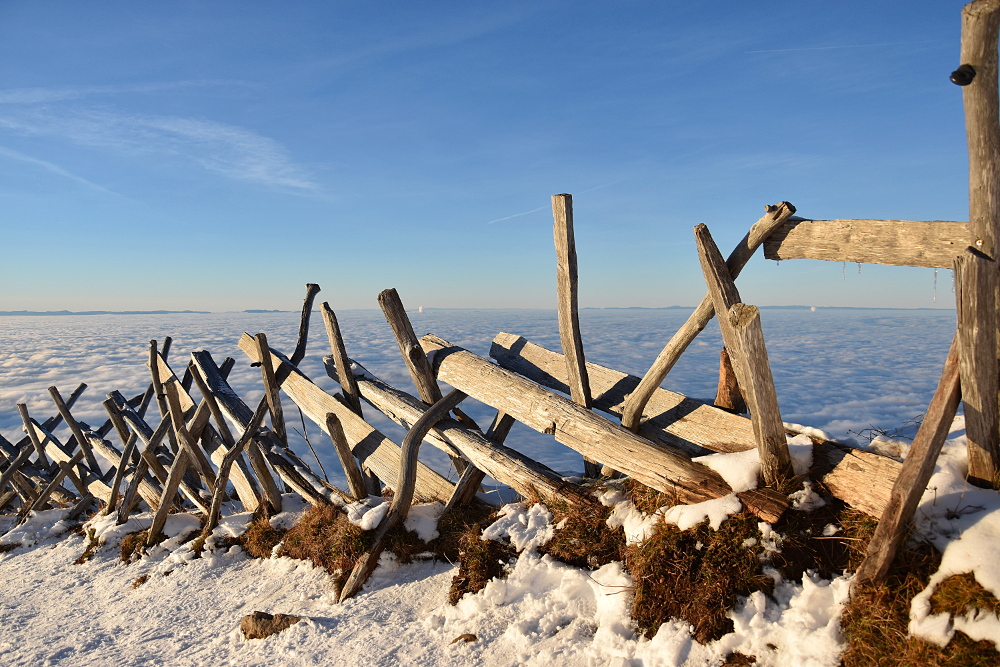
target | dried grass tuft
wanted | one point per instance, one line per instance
(696, 575)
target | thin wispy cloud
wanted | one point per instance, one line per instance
(65, 93)
(228, 150)
(54, 168)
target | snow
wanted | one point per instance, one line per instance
(715, 510)
(741, 470)
(525, 527)
(422, 519)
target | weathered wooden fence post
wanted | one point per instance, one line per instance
(567, 288)
(977, 304)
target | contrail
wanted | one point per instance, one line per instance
(844, 46)
(518, 215)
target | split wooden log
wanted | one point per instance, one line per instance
(728, 396)
(312, 289)
(240, 415)
(402, 499)
(774, 217)
(148, 488)
(57, 479)
(227, 465)
(129, 440)
(157, 380)
(488, 454)
(892, 242)
(29, 477)
(22, 409)
(371, 448)
(741, 330)
(8, 474)
(348, 385)
(355, 480)
(242, 477)
(567, 299)
(914, 475)
(860, 478)
(271, 390)
(409, 346)
(292, 470)
(94, 483)
(74, 427)
(976, 284)
(180, 463)
(588, 433)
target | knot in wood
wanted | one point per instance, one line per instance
(964, 75)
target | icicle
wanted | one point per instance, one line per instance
(935, 285)
(859, 267)
(845, 269)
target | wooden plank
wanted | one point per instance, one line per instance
(914, 475)
(74, 427)
(931, 243)
(976, 281)
(774, 217)
(43, 497)
(673, 420)
(588, 433)
(22, 409)
(567, 300)
(372, 449)
(486, 452)
(741, 331)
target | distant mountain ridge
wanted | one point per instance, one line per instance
(100, 312)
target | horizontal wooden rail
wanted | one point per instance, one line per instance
(932, 243)
(862, 479)
(589, 433)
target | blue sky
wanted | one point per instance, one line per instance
(218, 156)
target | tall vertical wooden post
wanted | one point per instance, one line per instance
(978, 318)
(568, 305)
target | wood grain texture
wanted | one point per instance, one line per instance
(976, 282)
(728, 396)
(507, 466)
(862, 479)
(227, 465)
(567, 301)
(585, 431)
(271, 389)
(312, 289)
(348, 385)
(409, 347)
(914, 475)
(930, 243)
(403, 497)
(372, 449)
(774, 217)
(743, 336)
(980, 30)
(355, 480)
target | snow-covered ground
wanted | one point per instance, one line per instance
(839, 370)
